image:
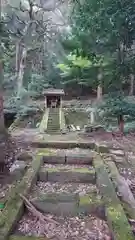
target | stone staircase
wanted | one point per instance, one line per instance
(53, 124)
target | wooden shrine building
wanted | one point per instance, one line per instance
(53, 98)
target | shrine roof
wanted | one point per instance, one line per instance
(52, 91)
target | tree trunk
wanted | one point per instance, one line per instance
(121, 123)
(2, 125)
(99, 88)
(99, 92)
(21, 72)
(18, 56)
(22, 59)
(92, 117)
(27, 72)
(131, 92)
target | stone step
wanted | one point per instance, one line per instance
(53, 123)
(52, 127)
(66, 173)
(69, 204)
(64, 156)
(63, 159)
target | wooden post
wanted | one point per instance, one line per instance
(60, 101)
(92, 117)
(45, 103)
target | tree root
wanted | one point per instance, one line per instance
(35, 212)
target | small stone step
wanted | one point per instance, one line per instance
(53, 123)
(66, 204)
(58, 159)
(66, 173)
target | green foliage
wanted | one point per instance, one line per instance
(101, 30)
(21, 106)
(37, 85)
(115, 105)
(129, 126)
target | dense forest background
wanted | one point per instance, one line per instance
(86, 47)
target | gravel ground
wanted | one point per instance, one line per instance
(49, 187)
(125, 171)
(75, 228)
(66, 166)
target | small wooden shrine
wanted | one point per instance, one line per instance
(53, 98)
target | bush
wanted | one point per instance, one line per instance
(116, 107)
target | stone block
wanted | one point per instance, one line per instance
(14, 205)
(43, 176)
(119, 153)
(78, 175)
(79, 159)
(54, 159)
(59, 197)
(115, 215)
(24, 156)
(59, 209)
(101, 148)
(18, 169)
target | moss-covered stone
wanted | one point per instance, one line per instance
(14, 206)
(78, 159)
(116, 217)
(43, 124)
(53, 124)
(46, 152)
(62, 144)
(118, 223)
(77, 170)
(101, 148)
(14, 125)
(62, 119)
(92, 204)
(90, 199)
(122, 186)
(60, 204)
(62, 175)
(58, 197)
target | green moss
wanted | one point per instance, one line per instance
(43, 124)
(14, 205)
(46, 152)
(116, 217)
(101, 148)
(77, 170)
(90, 199)
(119, 222)
(85, 200)
(83, 170)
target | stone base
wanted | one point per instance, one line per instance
(54, 159)
(64, 204)
(79, 160)
(78, 175)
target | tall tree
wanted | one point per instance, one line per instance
(106, 29)
(2, 125)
